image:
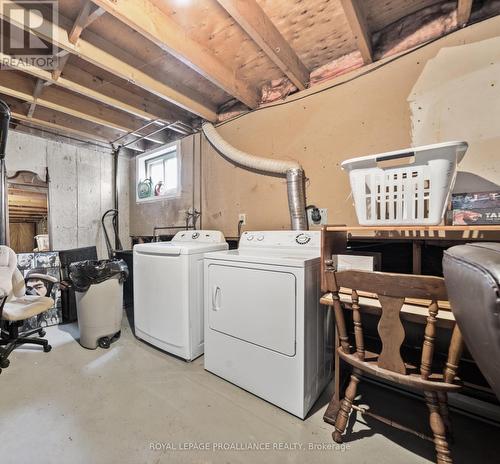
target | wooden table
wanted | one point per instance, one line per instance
(335, 240)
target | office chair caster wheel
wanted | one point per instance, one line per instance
(104, 342)
(47, 348)
(4, 363)
(41, 333)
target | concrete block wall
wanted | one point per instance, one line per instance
(80, 188)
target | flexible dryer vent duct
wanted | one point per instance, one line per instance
(293, 171)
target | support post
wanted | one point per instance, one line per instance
(116, 225)
(4, 129)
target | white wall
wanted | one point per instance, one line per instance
(80, 188)
(457, 97)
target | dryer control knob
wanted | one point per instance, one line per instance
(260, 238)
(302, 239)
(195, 235)
(249, 237)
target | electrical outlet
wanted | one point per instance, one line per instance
(242, 217)
(324, 217)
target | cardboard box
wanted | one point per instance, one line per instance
(473, 201)
(477, 216)
(481, 208)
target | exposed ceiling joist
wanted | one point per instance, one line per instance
(116, 97)
(80, 22)
(464, 8)
(356, 19)
(64, 102)
(17, 86)
(100, 55)
(95, 14)
(87, 15)
(150, 21)
(56, 73)
(58, 127)
(254, 21)
(84, 19)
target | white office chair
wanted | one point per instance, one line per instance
(16, 306)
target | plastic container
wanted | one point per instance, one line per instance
(42, 242)
(99, 300)
(388, 191)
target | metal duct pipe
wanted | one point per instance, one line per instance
(296, 188)
(292, 169)
(4, 129)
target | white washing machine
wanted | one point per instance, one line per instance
(168, 291)
(265, 330)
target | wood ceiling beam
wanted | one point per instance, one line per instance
(116, 97)
(110, 61)
(97, 13)
(56, 73)
(146, 18)
(464, 9)
(80, 21)
(356, 19)
(254, 21)
(15, 85)
(65, 125)
(58, 127)
(84, 19)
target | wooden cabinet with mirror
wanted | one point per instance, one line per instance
(28, 208)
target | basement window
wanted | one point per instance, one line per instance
(158, 173)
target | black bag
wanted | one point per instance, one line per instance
(83, 274)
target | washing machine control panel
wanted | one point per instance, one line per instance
(281, 238)
(204, 236)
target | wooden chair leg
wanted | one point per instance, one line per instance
(346, 406)
(438, 429)
(445, 414)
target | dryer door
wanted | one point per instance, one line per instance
(254, 305)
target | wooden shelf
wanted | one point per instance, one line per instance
(333, 228)
(416, 233)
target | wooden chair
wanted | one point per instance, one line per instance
(388, 364)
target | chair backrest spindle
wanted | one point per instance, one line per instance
(428, 344)
(358, 328)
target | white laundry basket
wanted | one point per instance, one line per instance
(415, 193)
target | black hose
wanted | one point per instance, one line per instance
(114, 222)
(4, 129)
(4, 126)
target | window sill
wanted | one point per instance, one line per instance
(167, 196)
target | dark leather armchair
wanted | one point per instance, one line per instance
(472, 275)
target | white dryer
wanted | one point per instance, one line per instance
(168, 291)
(265, 329)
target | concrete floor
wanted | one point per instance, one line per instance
(135, 404)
